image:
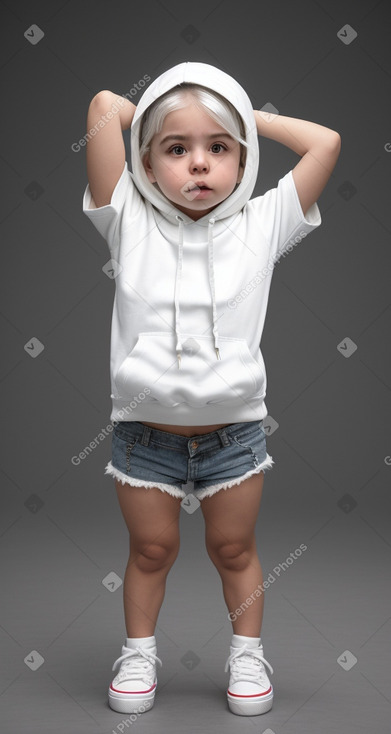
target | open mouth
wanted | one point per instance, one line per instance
(199, 188)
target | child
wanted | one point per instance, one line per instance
(193, 256)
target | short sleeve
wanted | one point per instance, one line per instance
(282, 219)
(109, 220)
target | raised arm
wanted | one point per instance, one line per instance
(319, 147)
(108, 114)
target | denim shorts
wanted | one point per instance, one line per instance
(147, 457)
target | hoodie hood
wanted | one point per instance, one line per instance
(218, 81)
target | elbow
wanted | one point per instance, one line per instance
(332, 146)
(104, 94)
(335, 140)
(335, 149)
(329, 143)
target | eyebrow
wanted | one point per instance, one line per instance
(184, 137)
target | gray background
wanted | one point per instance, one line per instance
(62, 533)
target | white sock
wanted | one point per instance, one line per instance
(140, 641)
(239, 640)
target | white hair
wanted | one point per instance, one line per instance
(222, 111)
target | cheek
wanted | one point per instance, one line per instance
(233, 169)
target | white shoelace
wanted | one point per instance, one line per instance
(136, 663)
(245, 666)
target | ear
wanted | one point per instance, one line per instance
(148, 168)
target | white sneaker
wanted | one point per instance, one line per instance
(133, 688)
(250, 691)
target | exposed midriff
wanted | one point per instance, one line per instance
(186, 430)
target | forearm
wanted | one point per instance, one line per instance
(109, 102)
(298, 135)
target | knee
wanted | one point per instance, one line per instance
(231, 556)
(154, 556)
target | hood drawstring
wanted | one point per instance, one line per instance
(211, 222)
(211, 283)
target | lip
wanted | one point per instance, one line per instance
(202, 194)
(199, 184)
(198, 192)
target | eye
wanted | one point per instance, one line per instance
(175, 147)
(218, 145)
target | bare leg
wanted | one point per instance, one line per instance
(152, 518)
(230, 517)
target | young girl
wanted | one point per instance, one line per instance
(192, 256)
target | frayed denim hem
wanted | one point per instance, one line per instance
(174, 491)
(200, 494)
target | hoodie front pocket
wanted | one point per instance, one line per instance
(201, 380)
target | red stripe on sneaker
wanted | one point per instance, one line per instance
(252, 695)
(117, 690)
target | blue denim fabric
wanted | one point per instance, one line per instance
(145, 456)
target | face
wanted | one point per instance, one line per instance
(190, 152)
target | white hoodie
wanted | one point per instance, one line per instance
(191, 296)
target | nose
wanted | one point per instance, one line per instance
(199, 160)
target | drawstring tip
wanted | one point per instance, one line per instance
(178, 354)
(217, 352)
